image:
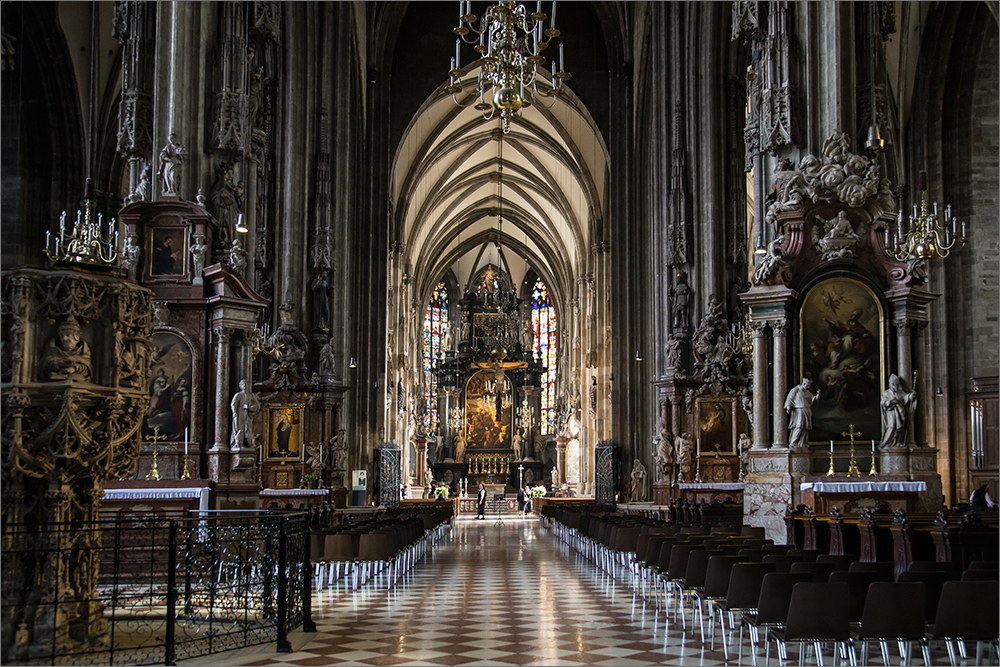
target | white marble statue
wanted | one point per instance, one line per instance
(898, 407)
(640, 483)
(517, 444)
(798, 405)
(244, 405)
(171, 158)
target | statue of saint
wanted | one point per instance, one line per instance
(539, 447)
(517, 444)
(327, 360)
(898, 407)
(321, 301)
(663, 453)
(244, 406)
(67, 355)
(798, 405)
(684, 448)
(679, 295)
(314, 458)
(227, 200)
(640, 485)
(338, 445)
(460, 446)
(171, 158)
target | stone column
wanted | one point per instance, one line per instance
(779, 327)
(560, 461)
(760, 403)
(922, 386)
(451, 401)
(904, 368)
(421, 446)
(221, 389)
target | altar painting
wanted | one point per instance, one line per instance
(284, 432)
(841, 325)
(167, 251)
(716, 425)
(485, 428)
(169, 387)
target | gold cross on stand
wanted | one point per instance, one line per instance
(852, 470)
(154, 472)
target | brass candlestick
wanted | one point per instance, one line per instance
(829, 473)
(873, 472)
(187, 471)
(154, 471)
(697, 470)
(852, 468)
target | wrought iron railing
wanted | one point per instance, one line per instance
(167, 587)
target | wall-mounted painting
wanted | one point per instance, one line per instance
(169, 387)
(487, 427)
(841, 335)
(716, 425)
(284, 432)
(167, 251)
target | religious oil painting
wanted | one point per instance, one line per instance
(170, 387)
(716, 425)
(488, 420)
(167, 251)
(841, 332)
(284, 432)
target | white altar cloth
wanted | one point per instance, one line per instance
(863, 487)
(155, 493)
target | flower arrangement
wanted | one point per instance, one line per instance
(538, 491)
(310, 479)
(441, 491)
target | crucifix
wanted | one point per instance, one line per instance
(520, 476)
(852, 470)
(154, 472)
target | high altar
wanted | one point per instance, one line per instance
(489, 393)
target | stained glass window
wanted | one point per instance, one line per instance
(435, 326)
(543, 323)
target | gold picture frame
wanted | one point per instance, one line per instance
(717, 425)
(285, 426)
(842, 350)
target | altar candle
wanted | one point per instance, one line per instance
(185, 442)
(831, 446)
(873, 446)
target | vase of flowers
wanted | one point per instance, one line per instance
(310, 479)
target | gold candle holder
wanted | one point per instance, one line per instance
(154, 470)
(873, 472)
(187, 471)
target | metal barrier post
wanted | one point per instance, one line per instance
(284, 646)
(170, 652)
(307, 583)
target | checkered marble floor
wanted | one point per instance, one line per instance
(490, 595)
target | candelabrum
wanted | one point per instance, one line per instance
(509, 42)
(872, 472)
(926, 235)
(526, 415)
(456, 418)
(829, 473)
(86, 242)
(154, 470)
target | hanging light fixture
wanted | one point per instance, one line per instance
(925, 235)
(874, 142)
(88, 241)
(510, 42)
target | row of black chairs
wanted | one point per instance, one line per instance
(390, 545)
(726, 575)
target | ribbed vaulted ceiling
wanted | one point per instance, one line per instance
(445, 194)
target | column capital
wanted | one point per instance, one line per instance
(779, 327)
(758, 327)
(904, 324)
(222, 334)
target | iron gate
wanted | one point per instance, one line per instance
(389, 468)
(606, 468)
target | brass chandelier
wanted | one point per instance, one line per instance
(510, 42)
(925, 235)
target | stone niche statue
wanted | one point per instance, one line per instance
(327, 360)
(539, 443)
(679, 295)
(314, 458)
(798, 405)
(338, 445)
(897, 407)
(460, 445)
(640, 483)
(743, 448)
(321, 301)
(663, 453)
(171, 158)
(684, 447)
(67, 355)
(244, 406)
(517, 444)
(227, 200)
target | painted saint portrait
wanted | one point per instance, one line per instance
(841, 350)
(716, 426)
(487, 428)
(169, 387)
(284, 432)
(167, 251)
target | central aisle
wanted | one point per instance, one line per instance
(488, 595)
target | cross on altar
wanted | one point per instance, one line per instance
(154, 472)
(520, 476)
(852, 470)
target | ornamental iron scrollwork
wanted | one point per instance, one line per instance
(606, 470)
(389, 467)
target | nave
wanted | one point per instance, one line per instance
(489, 595)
